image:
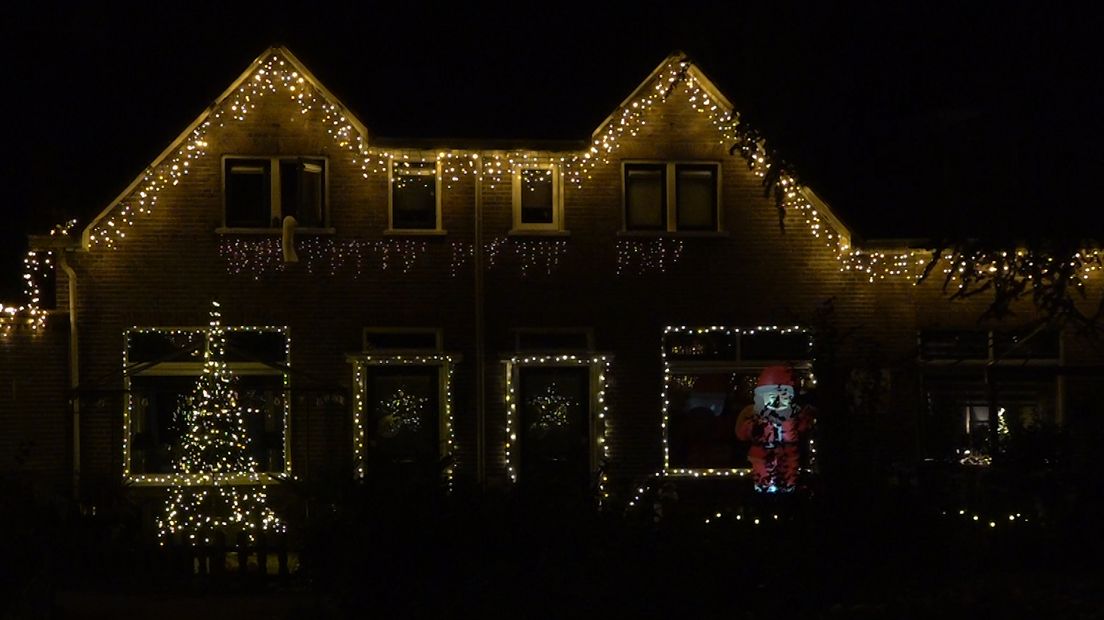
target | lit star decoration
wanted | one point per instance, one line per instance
(553, 408)
(360, 415)
(600, 368)
(210, 499)
(402, 412)
(670, 383)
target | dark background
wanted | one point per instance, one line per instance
(927, 120)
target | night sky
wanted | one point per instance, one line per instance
(925, 121)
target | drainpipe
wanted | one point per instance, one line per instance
(74, 368)
(480, 349)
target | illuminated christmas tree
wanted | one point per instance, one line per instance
(217, 487)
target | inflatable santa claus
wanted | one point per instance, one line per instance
(777, 428)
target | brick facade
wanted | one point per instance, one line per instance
(169, 267)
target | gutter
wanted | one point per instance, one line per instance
(74, 368)
(480, 349)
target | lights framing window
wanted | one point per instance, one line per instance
(538, 198)
(163, 366)
(415, 196)
(693, 188)
(260, 191)
(709, 375)
(556, 419)
(402, 415)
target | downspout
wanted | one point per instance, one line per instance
(480, 349)
(74, 368)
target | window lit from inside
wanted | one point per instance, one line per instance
(160, 393)
(414, 196)
(261, 192)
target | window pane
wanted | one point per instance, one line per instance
(536, 197)
(159, 414)
(701, 418)
(248, 193)
(696, 189)
(402, 404)
(645, 197)
(302, 190)
(775, 346)
(414, 196)
(554, 432)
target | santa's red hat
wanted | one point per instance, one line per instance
(775, 375)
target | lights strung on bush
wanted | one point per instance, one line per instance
(219, 490)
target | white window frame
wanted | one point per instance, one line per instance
(275, 206)
(446, 424)
(195, 369)
(736, 364)
(557, 223)
(671, 183)
(599, 366)
(438, 196)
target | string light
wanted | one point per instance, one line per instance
(207, 498)
(648, 255)
(600, 369)
(360, 364)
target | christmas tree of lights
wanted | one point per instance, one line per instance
(217, 485)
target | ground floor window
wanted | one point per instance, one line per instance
(163, 365)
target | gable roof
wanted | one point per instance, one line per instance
(274, 53)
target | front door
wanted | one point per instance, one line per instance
(554, 403)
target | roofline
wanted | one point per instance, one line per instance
(86, 233)
(827, 213)
(481, 144)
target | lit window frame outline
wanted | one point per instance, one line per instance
(445, 414)
(736, 365)
(195, 369)
(516, 189)
(438, 193)
(670, 180)
(274, 193)
(597, 424)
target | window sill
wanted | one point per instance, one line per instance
(536, 232)
(674, 233)
(414, 232)
(225, 230)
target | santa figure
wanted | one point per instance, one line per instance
(776, 428)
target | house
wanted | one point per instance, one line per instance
(573, 316)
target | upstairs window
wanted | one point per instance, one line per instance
(261, 192)
(538, 198)
(692, 188)
(415, 196)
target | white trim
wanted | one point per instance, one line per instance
(438, 227)
(557, 223)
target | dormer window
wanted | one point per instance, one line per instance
(261, 191)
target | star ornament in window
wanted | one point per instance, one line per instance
(401, 412)
(552, 408)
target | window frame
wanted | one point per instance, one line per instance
(736, 364)
(438, 228)
(670, 196)
(195, 369)
(275, 192)
(557, 223)
(446, 363)
(598, 410)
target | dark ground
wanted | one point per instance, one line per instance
(891, 554)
